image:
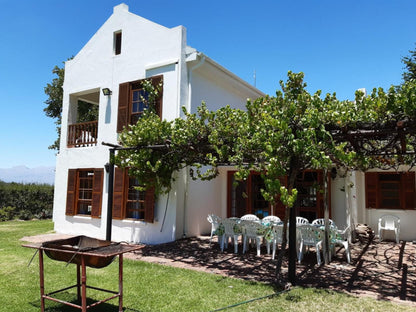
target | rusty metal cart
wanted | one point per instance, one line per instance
(83, 251)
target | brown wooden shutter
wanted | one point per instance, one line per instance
(408, 190)
(123, 116)
(97, 193)
(149, 205)
(371, 190)
(118, 193)
(71, 192)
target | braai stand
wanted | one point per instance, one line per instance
(81, 284)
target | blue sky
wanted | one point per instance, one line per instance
(339, 45)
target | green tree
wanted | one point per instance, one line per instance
(410, 66)
(276, 136)
(53, 103)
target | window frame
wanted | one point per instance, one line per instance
(374, 193)
(120, 198)
(117, 40)
(84, 191)
(73, 190)
(279, 209)
(125, 100)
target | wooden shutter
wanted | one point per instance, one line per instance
(408, 190)
(371, 189)
(123, 116)
(149, 205)
(118, 193)
(71, 192)
(97, 193)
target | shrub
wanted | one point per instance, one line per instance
(25, 215)
(28, 200)
(7, 213)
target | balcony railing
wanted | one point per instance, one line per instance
(83, 134)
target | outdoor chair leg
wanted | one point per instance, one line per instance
(258, 244)
(274, 249)
(221, 239)
(300, 255)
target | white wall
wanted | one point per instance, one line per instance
(205, 197)
(147, 49)
(371, 216)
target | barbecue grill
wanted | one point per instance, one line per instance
(83, 251)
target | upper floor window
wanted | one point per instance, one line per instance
(139, 102)
(117, 42)
(133, 100)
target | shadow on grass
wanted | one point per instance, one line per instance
(52, 306)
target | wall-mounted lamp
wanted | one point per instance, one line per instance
(107, 91)
(107, 167)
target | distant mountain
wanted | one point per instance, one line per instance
(23, 174)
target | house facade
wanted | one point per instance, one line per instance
(126, 50)
(103, 88)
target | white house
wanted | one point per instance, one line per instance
(123, 52)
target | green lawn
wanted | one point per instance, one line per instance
(151, 287)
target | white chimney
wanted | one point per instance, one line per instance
(121, 8)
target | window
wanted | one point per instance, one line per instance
(390, 190)
(128, 201)
(84, 192)
(138, 103)
(309, 184)
(117, 42)
(135, 205)
(132, 101)
(245, 196)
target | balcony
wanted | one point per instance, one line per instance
(83, 134)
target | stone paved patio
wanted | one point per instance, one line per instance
(383, 270)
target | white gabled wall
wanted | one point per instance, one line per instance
(147, 49)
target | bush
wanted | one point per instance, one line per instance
(27, 200)
(7, 213)
(25, 215)
(44, 214)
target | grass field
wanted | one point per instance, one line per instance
(152, 287)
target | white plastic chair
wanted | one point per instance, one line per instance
(310, 236)
(250, 217)
(389, 223)
(215, 222)
(252, 231)
(230, 231)
(321, 221)
(338, 237)
(270, 219)
(276, 239)
(301, 220)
